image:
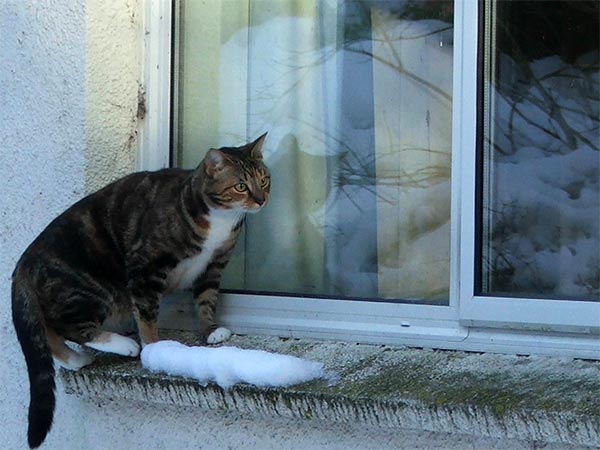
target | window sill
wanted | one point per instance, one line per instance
(527, 398)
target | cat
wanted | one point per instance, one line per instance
(117, 251)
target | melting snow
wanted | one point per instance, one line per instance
(227, 366)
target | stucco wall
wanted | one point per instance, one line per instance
(42, 137)
(69, 77)
(113, 83)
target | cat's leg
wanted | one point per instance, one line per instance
(206, 292)
(147, 323)
(65, 356)
(121, 322)
(145, 312)
(81, 317)
(109, 342)
(147, 282)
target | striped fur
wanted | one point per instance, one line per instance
(116, 252)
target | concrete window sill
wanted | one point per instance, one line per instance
(550, 400)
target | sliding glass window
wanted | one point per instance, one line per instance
(356, 98)
(539, 202)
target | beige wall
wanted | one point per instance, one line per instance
(113, 76)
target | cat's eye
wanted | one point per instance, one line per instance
(240, 187)
(265, 181)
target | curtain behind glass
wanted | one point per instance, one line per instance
(412, 44)
(356, 99)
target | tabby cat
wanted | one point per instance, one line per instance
(118, 251)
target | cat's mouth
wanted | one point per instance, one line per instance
(256, 207)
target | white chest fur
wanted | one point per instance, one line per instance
(184, 274)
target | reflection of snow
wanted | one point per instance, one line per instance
(328, 201)
(359, 150)
(545, 235)
(284, 73)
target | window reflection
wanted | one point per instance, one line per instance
(356, 96)
(541, 164)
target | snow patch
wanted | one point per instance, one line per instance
(228, 366)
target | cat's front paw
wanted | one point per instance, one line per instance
(129, 347)
(221, 334)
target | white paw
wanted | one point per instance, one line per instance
(76, 360)
(115, 343)
(221, 334)
(129, 347)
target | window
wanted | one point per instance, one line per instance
(360, 134)
(420, 154)
(540, 204)
(537, 223)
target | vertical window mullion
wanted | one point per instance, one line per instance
(464, 145)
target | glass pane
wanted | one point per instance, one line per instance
(540, 201)
(356, 98)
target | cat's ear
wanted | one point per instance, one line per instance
(255, 148)
(213, 162)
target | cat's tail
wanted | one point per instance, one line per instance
(31, 331)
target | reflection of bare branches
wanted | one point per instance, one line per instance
(354, 169)
(514, 110)
(419, 178)
(418, 36)
(503, 258)
(444, 153)
(401, 70)
(513, 247)
(590, 281)
(399, 66)
(555, 111)
(551, 110)
(560, 72)
(299, 63)
(540, 94)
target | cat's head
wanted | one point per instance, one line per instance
(236, 178)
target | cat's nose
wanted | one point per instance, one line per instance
(262, 200)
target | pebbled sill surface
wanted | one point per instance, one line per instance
(542, 399)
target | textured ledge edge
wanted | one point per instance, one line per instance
(526, 425)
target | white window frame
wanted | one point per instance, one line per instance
(523, 313)
(153, 153)
(467, 323)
